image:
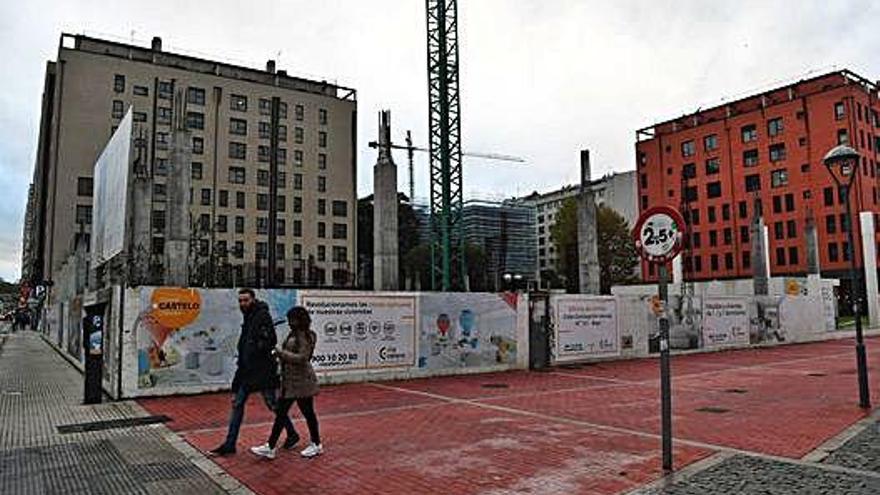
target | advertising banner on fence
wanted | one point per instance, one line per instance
(362, 332)
(725, 321)
(467, 330)
(586, 327)
(188, 337)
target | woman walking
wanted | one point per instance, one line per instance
(298, 384)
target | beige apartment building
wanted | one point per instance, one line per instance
(227, 110)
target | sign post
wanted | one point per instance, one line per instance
(658, 235)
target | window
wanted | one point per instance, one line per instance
(842, 136)
(262, 202)
(262, 225)
(744, 234)
(322, 161)
(238, 127)
(747, 259)
(281, 156)
(322, 206)
(777, 204)
(280, 203)
(322, 230)
(297, 251)
(802, 141)
(713, 190)
(753, 183)
(298, 113)
(743, 209)
(119, 83)
(728, 236)
(239, 225)
(713, 166)
(165, 90)
(791, 227)
(689, 170)
(643, 180)
(750, 158)
(777, 152)
(643, 202)
(265, 130)
(830, 224)
(263, 154)
(340, 254)
(340, 209)
(322, 116)
(282, 110)
(829, 196)
(844, 223)
(139, 117)
(163, 115)
(196, 171)
(206, 197)
(158, 220)
(195, 120)
(262, 250)
(297, 228)
(698, 264)
(690, 193)
(779, 178)
(687, 149)
(236, 175)
(297, 158)
(714, 262)
(780, 256)
(322, 253)
(774, 126)
(161, 167)
(195, 96)
(239, 200)
(322, 139)
(725, 212)
(697, 240)
(118, 109)
(158, 246)
(298, 204)
(238, 103)
(238, 250)
(265, 106)
(322, 183)
(695, 217)
(281, 179)
(710, 142)
(340, 231)
(159, 193)
(845, 249)
(778, 231)
(198, 146)
(298, 135)
(789, 202)
(749, 133)
(237, 150)
(839, 111)
(84, 186)
(141, 90)
(793, 255)
(282, 133)
(833, 254)
(263, 178)
(280, 226)
(223, 198)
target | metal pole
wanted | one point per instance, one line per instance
(665, 386)
(856, 294)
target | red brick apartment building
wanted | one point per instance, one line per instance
(769, 146)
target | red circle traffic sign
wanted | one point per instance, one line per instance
(658, 234)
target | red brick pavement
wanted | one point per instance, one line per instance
(590, 429)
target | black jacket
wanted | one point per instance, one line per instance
(257, 368)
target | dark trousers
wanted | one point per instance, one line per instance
(238, 403)
(306, 407)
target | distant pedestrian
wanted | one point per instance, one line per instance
(257, 369)
(298, 384)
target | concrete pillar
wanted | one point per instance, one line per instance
(760, 269)
(869, 254)
(812, 246)
(767, 251)
(141, 191)
(677, 270)
(385, 233)
(588, 247)
(178, 228)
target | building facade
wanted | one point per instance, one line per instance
(227, 110)
(764, 151)
(617, 191)
(506, 233)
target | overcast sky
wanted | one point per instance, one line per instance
(540, 79)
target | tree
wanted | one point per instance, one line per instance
(618, 257)
(418, 262)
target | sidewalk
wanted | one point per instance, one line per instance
(748, 421)
(40, 391)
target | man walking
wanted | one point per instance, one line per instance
(257, 370)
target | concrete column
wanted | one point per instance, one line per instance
(767, 250)
(869, 258)
(178, 227)
(812, 245)
(677, 270)
(385, 231)
(760, 269)
(588, 247)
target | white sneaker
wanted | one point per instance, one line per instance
(264, 451)
(312, 450)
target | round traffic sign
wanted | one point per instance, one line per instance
(658, 234)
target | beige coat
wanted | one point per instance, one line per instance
(298, 378)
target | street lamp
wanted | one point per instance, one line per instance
(843, 164)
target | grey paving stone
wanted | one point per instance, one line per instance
(860, 452)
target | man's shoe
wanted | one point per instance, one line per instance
(222, 451)
(312, 450)
(290, 443)
(264, 451)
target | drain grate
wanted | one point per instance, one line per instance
(713, 410)
(112, 424)
(495, 385)
(736, 391)
(816, 374)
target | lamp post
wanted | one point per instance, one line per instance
(843, 164)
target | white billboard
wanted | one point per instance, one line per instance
(725, 321)
(110, 194)
(586, 327)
